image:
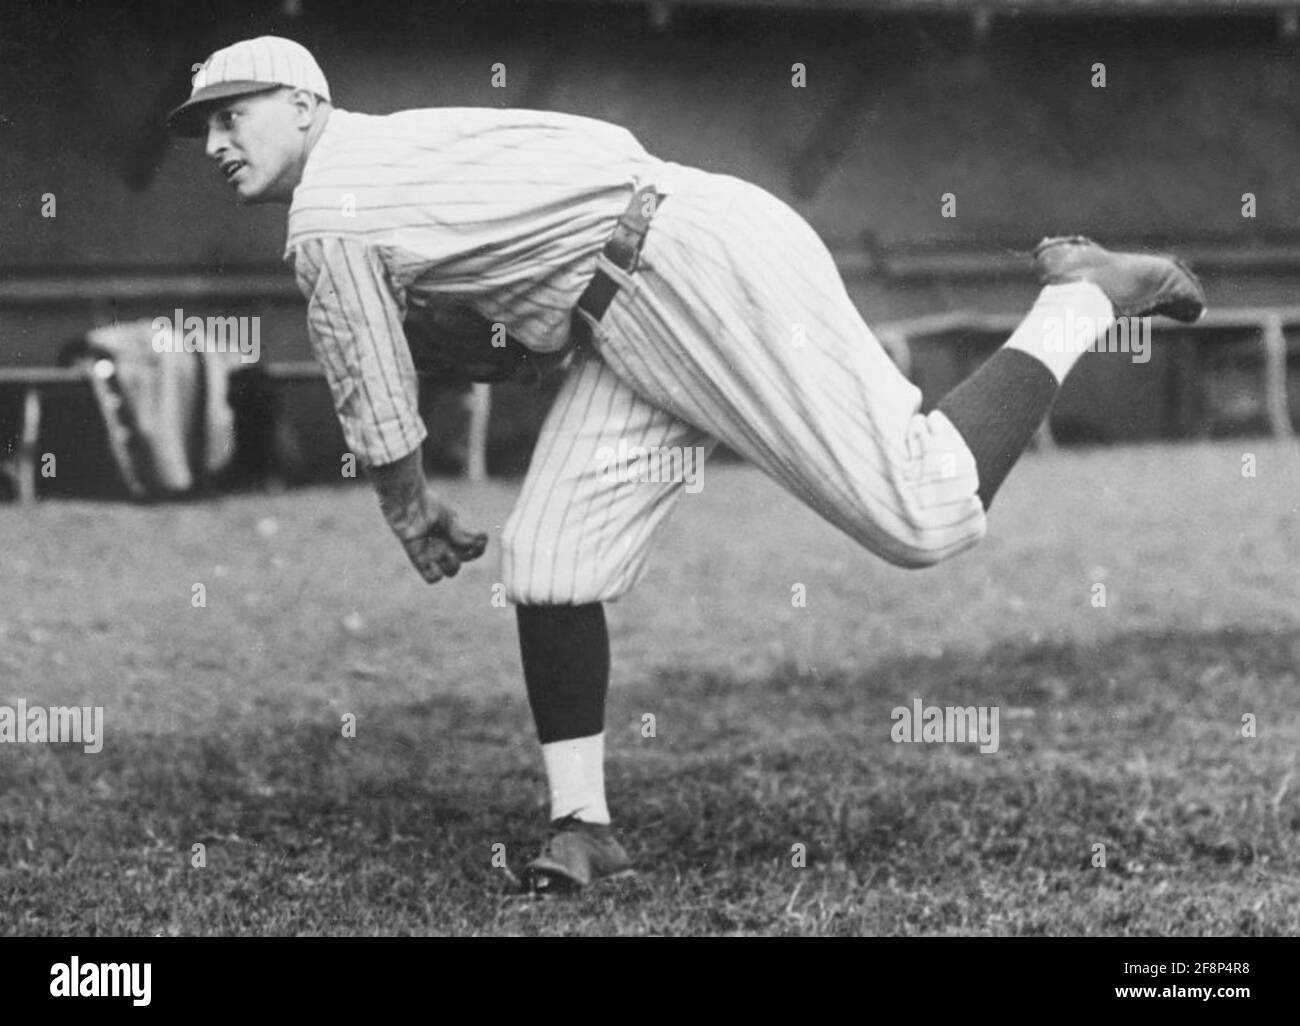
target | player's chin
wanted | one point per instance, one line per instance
(249, 193)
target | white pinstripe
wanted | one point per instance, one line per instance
(570, 529)
(507, 211)
(268, 59)
(699, 345)
(502, 211)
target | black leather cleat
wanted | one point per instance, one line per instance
(577, 855)
(1137, 284)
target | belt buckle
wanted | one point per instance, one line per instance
(642, 219)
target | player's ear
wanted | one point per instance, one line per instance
(304, 103)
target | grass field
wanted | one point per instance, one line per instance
(1119, 725)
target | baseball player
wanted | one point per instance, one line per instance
(689, 308)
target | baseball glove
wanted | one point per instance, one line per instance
(452, 340)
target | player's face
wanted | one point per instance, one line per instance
(257, 143)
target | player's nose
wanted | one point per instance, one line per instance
(216, 144)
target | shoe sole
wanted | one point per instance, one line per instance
(558, 882)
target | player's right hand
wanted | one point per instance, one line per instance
(437, 545)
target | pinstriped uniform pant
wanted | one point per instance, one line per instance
(736, 327)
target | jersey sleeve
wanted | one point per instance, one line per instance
(354, 319)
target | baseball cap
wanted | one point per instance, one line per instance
(249, 66)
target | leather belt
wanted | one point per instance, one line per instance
(623, 250)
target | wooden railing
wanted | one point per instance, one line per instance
(1270, 323)
(274, 285)
(37, 384)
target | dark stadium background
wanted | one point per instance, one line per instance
(905, 101)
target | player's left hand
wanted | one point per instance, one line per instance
(437, 545)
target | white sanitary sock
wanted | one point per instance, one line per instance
(1064, 324)
(576, 772)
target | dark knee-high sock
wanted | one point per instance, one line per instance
(565, 652)
(997, 410)
(999, 407)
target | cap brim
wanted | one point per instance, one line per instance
(189, 118)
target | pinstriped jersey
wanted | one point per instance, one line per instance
(501, 210)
